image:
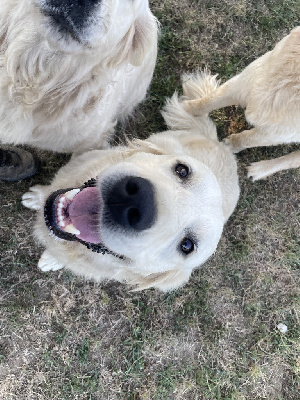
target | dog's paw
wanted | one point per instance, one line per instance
(48, 263)
(34, 198)
(233, 143)
(258, 170)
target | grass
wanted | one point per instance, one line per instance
(62, 338)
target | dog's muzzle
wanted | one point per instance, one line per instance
(70, 16)
(74, 214)
(130, 204)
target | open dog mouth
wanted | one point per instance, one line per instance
(73, 214)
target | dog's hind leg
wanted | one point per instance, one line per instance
(48, 263)
(262, 169)
(246, 139)
(260, 136)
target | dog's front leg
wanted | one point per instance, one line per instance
(34, 199)
(262, 169)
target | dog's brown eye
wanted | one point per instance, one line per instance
(182, 170)
(187, 245)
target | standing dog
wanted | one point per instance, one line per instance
(152, 212)
(269, 89)
(70, 68)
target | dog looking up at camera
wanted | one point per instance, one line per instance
(69, 69)
(269, 89)
(146, 214)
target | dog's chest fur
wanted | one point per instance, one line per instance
(60, 99)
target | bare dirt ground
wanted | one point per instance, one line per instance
(217, 338)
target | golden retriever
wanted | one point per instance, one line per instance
(147, 213)
(70, 69)
(269, 89)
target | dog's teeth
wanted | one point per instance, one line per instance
(61, 224)
(70, 228)
(61, 201)
(71, 194)
(60, 218)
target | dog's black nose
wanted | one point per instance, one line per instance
(70, 15)
(130, 203)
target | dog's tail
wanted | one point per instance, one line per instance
(199, 84)
(194, 86)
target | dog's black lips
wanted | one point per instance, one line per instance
(49, 216)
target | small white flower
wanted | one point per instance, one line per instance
(282, 327)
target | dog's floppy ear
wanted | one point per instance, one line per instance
(145, 146)
(145, 34)
(158, 143)
(141, 36)
(164, 281)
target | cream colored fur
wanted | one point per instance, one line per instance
(203, 204)
(62, 95)
(269, 89)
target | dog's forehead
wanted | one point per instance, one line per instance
(195, 211)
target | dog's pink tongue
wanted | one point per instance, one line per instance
(84, 214)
